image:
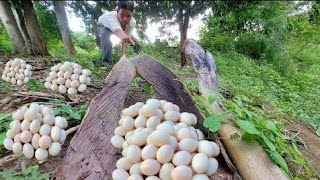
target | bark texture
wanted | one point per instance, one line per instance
(12, 28)
(36, 36)
(61, 15)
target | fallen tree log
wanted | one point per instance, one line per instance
(90, 154)
(250, 159)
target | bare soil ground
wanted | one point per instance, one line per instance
(310, 147)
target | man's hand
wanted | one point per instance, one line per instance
(136, 46)
(123, 36)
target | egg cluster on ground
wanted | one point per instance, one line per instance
(68, 77)
(159, 142)
(17, 72)
(36, 132)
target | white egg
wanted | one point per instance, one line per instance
(212, 167)
(8, 143)
(35, 126)
(117, 141)
(63, 136)
(150, 167)
(134, 153)
(28, 150)
(54, 148)
(209, 148)
(165, 171)
(181, 173)
(200, 163)
(72, 91)
(135, 168)
(120, 174)
(35, 141)
(124, 163)
(41, 154)
(149, 152)
(182, 158)
(82, 88)
(165, 154)
(10, 134)
(62, 89)
(45, 130)
(45, 142)
(17, 148)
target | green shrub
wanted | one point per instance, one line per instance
(5, 43)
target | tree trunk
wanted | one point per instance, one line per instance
(12, 28)
(183, 28)
(250, 159)
(36, 36)
(90, 154)
(64, 26)
(21, 24)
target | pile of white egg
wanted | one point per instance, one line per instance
(36, 132)
(68, 77)
(17, 72)
(159, 142)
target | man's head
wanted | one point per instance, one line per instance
(125, 10)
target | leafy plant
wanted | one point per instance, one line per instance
(71, 113)
(6, 87)
(31, 173)
(35, 85)
(4, 125)
(279, 144)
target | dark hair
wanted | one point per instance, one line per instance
(125, 5)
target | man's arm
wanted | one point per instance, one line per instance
(123, 36)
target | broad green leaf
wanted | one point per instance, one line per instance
(279, 160)
(248, 137)
(67, 108)
(271, 126)
(214, 126)
(213, 97)
(3, 115)
(248, 113)
(247, 126)
(268, 142)
(75, 115)
(295, 148)
(212, 123)
(2, 137)
(57, 111)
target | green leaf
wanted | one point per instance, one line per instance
(248, 137)
(213, 97)
(215, 126)
(268, 142)
(271, 126)
(279, 160)
(247, 126)
(75, 115)
(212, 123)
(248, 113)
(66, 108)
(2, 137)
(295, 148)
(57, 110)
(3, 115)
